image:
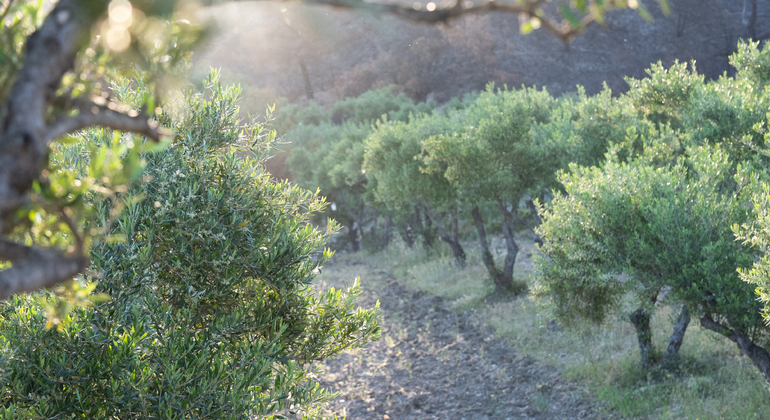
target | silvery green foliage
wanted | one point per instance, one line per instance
(327, 151)
(210, 312)
(657, 215)
(634, 227)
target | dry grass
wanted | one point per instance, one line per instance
(713, 380)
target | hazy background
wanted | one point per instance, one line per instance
(312, 52)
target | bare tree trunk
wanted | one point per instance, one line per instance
(641, 321)
(306, 79)
(353, 237)
(360, 225)
(486, 255)
(452, 240)
(677, 336)
(505, 280)
(386, 231)
(427, 229)
(758, 355)
(409, 235)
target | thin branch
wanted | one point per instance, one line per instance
(65, 213)
(530, 9)
(92, 114)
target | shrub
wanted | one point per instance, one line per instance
(210, 312)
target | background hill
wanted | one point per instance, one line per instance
(301, 52)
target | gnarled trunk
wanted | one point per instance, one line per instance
(486, 255)
(758, 355)
(640, 318)
(504, 282)
(677, 337)
(451, 239)
(423, 229)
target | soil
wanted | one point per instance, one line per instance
(435, 363)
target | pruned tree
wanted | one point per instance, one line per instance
(494, 159)
(658, 214)
(393, 158)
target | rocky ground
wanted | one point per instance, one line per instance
(435, 363)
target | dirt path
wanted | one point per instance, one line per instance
(433, 363)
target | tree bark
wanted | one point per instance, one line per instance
(356, 234)
(641, 321)
(386, 231)
(486, 255)
(538, 220)
(504, 282)
(451, 239)
(426, 229)
(419, 228)
(409, 237)
(758, 355)
(677, 337)
(353, 237)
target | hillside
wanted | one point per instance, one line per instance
(266, 46)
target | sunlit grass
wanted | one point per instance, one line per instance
(712, 380)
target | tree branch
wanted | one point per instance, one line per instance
(461, 8)
(708, 323)
(25, 135)
(35, 268)
(92, 114)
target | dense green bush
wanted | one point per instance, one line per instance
(328, 153)
(210, 312)
(658, 224)
(392, 159)
(495, 158)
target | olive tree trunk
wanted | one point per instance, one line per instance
(386, 231)
(757, 354)
(486, 255)
(677, 337)
(504, 281)
(26, 130)
(640, 318)
(452, 239)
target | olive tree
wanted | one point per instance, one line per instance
(327, 153)
(494, 158)
(656, 216)
(393, 158)
(643, 229)
(209, 311)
